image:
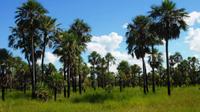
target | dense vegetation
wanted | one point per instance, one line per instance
(35, 31)
(184, 99)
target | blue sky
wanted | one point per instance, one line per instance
(106, 18)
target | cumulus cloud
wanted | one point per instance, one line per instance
(110, 43)
(194, 18)
(124, 56)
(105, 43)
(193, 33)
(49, 58)
(193, 39)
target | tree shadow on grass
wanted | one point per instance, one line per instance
(93, 98)
(18, 95)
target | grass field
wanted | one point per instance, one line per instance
(185, 99)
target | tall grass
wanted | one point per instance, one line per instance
(185, 99)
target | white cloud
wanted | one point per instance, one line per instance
(124, 56)
(194, 18)
(193, 33)
(193, 39)
(110, 43)
(105, 43)
(124, 26)
(49, 58)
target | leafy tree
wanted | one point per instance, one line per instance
(193, 70)
(183, 68)
(48, 28)
(124, 72)
(93, 59)
(109, 60)
(176, 58)
(55, 83)
(155, 61)
(21, 74)
(84, 71)
(66, 47)
(82, 31)
(138, 41)
(5, 72)
(25, 35)
(169, 21)
(135, 72)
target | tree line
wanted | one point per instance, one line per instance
(35, 31)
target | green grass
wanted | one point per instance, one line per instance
(185, 99)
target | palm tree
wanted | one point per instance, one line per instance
(155, 60)
(5, 56)
(48, 27)
(109, 59)
(123, 70)
(135, 70)
(28, 18)
(66, 47)
(169, 22)
(85, 71)
(193, 69)
(102, 66)
(55, 82)
(93, 59)
(175, 58)
(153, 40)
(82, 30)
(183, 69)
(138, 41)
(21, 72)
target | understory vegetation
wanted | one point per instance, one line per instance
(183, 99)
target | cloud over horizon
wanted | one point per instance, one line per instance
(193, 33)
(110, 43)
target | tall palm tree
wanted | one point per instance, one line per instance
(135, 70)
(28, 18)
(193, 69)
(123, 70)
(169, 22)
(82, 30)
(109, 59)
(138, 42)
(93, 59)
(66, 47)
(153, 41)
(102, 65)
(5, 56)
(48, 27)
(155, 60)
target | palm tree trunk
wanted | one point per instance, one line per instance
(55, 93)
(43, 55)
(24, 83)
(3, 93)
(80, 79)
(153, 72)
(120, 84)
(64, 71)
(167, 62)
(103, 77)
(144, 76)
(68, 80)
(33, 68)
(92, 77)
